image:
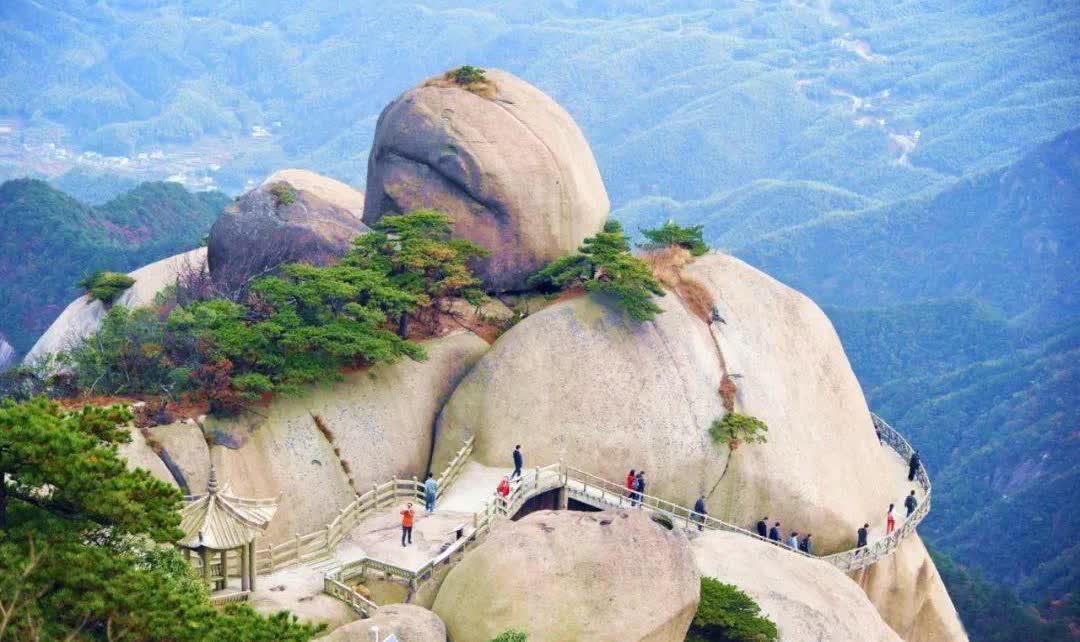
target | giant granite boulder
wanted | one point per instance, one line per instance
(807, 599)
(562, 575)
(505, 161)
(295, 215)
(407, 622)
(83, 316)
(317, 450)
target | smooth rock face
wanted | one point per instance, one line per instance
(139, 454)
(512, 170)
(184, 449)
(382, 422)
(807, 599)
(7, 354)
(562, 575)
(408, 622)
(909, 594)
(580, 383)
(83, 317)
(255, 235)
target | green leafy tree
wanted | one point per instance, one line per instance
(106, 286)
(467, 75)
(81, 540)
(671, 233)
(283, 194)
(511, 635)
(605, 265)
(417, 252)
(726, 614)
(733, 429)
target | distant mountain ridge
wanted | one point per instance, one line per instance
(49, 240)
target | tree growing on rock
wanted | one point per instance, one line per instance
(734, 428)
(604, 264)
(671, 233)
(420, 257)
(106, 286)
(81, 537)
(727, 614)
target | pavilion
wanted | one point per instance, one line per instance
(219, 522)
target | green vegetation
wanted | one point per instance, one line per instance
(419, 256)
(733, 429)
(605, 265)
(726, 614)
(511, 635)
(303, 326)
(48, 237)
(283, 194)
(106, 286)
(467, 75)
(671, 233)
(993, 612)
(83, 560)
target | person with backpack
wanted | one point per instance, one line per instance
(805, 545)
(793, 541)
(910, 503)
(763, 526)
(407, 516)
(700, 512)
(774, 532)
(431, 489)
(863, 532)
(518, 462)
(890, 520)
(913, 465)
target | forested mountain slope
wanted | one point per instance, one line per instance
(48, 241)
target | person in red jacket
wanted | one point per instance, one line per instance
(630, 483)
(504, 488)
(407, 516)
(890, 521)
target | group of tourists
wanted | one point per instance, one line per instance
(910, 502)
(775, 534)
(635, 487)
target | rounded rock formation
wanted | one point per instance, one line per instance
(83, 316)
(409, 623)
(807, 599)
(506, 162)
(579, 382)
(562, 575)
(294, 216)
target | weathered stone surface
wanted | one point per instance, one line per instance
(578, 382)
(139, 454)
(381, 421)
(561, 575)
(184, 449)
(83, 316)
(909, 594)
(408, 622)
(807, 599)
(256, 234)
(7, 354)
(300, 591)
(512, 170)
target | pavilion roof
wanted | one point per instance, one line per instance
(219, 520)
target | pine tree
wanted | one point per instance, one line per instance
(604, 264)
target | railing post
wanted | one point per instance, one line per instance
(375, 497)
(296, 537)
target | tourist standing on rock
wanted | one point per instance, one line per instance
(890, 520)
(639, 487)
(774, 532)
(503, 488)
(407, 516)
(913, 465)
(431, 488)
(763, 526)
(863, 532)
(518, 461)
(877, 429)
(630, 477)
(805, 545)
(793, 541)
(701, 512)
(910, 503)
